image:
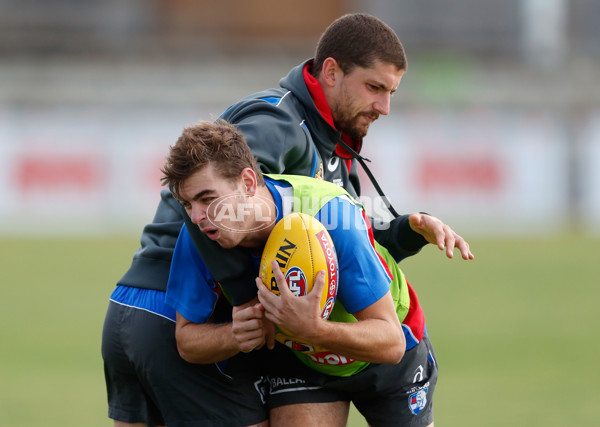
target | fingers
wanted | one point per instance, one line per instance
(454, 241)
(271, 302)
(296, 314)
(317, 289)
(464, 248)
(280, 278)
(260, 287)
(244, 314)
(440, 234)
(247, 327)
(267, 298)
(448, 240)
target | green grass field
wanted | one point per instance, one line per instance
(515, 331)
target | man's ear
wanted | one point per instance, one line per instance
(249, 180)
(331, 72)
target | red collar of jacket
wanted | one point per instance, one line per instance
(318, 97)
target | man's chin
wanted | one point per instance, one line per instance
(225, 245)
(359, 131)
(362, 130)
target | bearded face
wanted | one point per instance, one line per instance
(362, 95)
(352, 117)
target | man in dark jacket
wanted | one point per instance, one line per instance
(312, 126)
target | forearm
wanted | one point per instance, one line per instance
(376, 337)
(370, 340)
(206, 343)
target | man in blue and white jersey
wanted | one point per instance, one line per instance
(213, 173)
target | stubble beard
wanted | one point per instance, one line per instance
(351, 127)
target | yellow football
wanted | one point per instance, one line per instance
(302, 246)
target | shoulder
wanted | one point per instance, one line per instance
(277, 135)
(274, 103)
(272, 110)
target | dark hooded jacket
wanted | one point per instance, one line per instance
(288, 135)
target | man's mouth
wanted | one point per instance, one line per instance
(211, 233)
(371, 117)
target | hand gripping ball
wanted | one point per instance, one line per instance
(301, 246)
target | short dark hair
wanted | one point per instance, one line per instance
(359, 39)
(219, 143)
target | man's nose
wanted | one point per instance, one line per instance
(382, 104)
(197, 214)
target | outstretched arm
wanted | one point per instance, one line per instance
(406, 235)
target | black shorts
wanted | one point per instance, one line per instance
(386, 395)
(147, 381)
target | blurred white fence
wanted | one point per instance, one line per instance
(83, 154)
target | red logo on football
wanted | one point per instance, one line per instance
(296, 281)
(332, 271)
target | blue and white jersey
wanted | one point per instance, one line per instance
(193, 292)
